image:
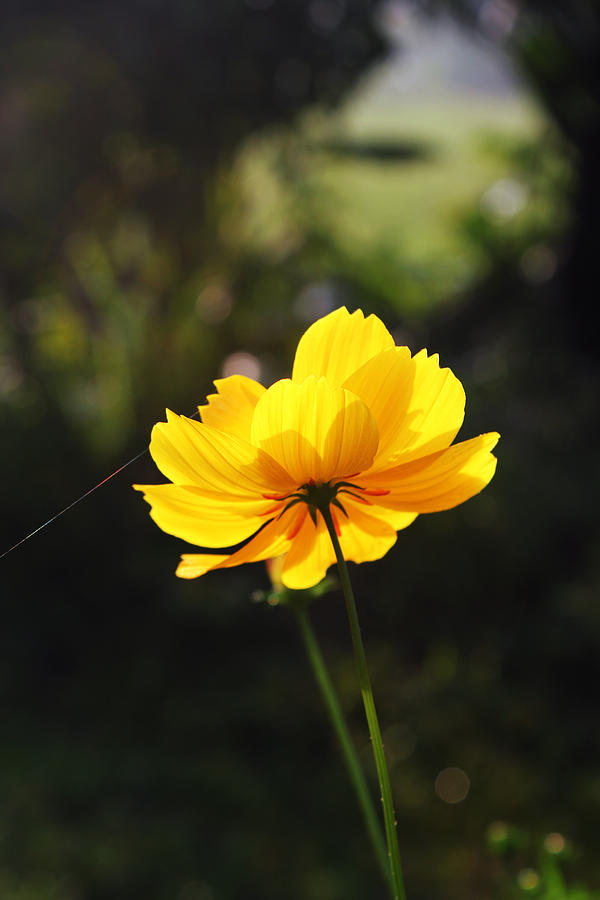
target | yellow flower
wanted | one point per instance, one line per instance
(361, 424)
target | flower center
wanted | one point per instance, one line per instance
(319, 496)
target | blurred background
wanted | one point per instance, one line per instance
(185, 186)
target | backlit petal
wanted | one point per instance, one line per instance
(232, 407)
(192, 453)
(192, 565)
(364, 536)
(338, 344)
(439, 481)
(209, 519)
(395, 518)
(314, 431)
(418, 407)
(269, 542)
(309, 556)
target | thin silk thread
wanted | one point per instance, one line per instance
(79, 499)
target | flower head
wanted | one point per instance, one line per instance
(362, 426)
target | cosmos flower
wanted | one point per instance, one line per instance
(361, 426)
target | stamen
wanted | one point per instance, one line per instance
(273, 509)
(316, 496)
(356, 497)
(373, 492)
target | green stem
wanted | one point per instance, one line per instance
(369, 704)
(349, 753)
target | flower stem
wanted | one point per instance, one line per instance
(348, 750)
(369, 704)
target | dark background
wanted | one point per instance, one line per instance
(164, 739)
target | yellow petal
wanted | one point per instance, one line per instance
(269, 542)
(192, 565)
(418, 407)
(192, 453)
(395, 518)
(209, 519)
(309, 556)
(232, 407)
(338, 344)
(439, 481)
(314, 431)
(364, 536)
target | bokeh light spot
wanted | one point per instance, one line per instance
(316, 299)
(528, 879)
(452, 785)
(241, 364)
(554, 842)
(504, 199)
(213, 304)
(497, 832)
(538, 263)
(498, 17)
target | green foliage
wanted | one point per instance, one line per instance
(545, 880)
